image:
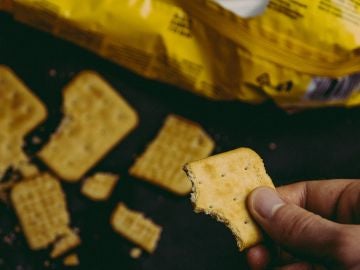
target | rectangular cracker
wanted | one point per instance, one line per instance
(20, 112)
(96, 119)
(99, 186)
(40, 205)
(178, 142)
(136, 228)
(221, 184)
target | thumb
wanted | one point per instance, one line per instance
(292, 227)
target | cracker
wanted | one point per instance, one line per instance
(99, 186)
(40, 205)
(178, 142)
(221, 184)
(136, 228)
(68, 241)
(20, 112)
(71, 260)
(135, 253)
(96, 119)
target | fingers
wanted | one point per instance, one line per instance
(292, 227)
(320, 197)
(348, 209)
(258, 257)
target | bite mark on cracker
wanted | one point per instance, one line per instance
(96, 118)
(179, 141)
(221, 184)
(20, 112)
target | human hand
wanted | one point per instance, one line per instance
(312, 225)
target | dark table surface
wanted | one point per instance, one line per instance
(316, 144)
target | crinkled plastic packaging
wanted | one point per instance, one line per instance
(300, 53)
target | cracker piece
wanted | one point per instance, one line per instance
(178, 142)
(136, 228)
(68, 241)
(28, 169)
(71, 260)
(221, 184)
(20, 112)
(99, 186)
(135, 253)
(40, 205)
(96, 119)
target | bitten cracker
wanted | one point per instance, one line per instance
(178, 142)
(99, 186)
(40, 205)
(96, 119)
(136, 228)
(20, 112)
(221, 184)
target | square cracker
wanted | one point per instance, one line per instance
(136, 228)
(178, 142)
(96, 119)
(221, 184)
(20, 112)
(99, 186)
(40, 205)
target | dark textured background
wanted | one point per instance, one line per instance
(315, 144)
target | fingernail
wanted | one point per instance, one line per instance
(266, 201)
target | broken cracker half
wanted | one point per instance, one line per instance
(20, 112)
(178, 142)
(40, 205)
(96, 118)
(221, 184)
(99, 186)
(136, 228)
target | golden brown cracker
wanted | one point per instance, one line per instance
(20, 112)
(136, 228)
(40, 205)
(99, 186)
(221, 184)
(68, 241)
(178, 142)
(96, 119)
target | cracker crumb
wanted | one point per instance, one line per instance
(135, 253)
(52, 72)
(272, 146)
(47, 263)
(71, 260)
(36, 140)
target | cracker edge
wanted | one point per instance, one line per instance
(219, 218)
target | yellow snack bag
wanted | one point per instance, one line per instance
(149, 37)
(299, 53)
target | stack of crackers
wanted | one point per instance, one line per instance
(96, 119)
